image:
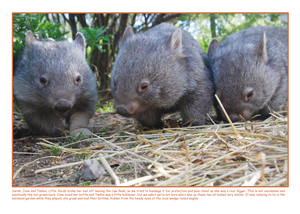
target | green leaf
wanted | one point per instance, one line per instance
(39, 26)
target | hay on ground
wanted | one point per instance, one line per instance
(242, 154)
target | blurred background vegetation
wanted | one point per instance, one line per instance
(103, 32)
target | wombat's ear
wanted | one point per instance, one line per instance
(175, 41)
(127, 34)
(80, 40)
(29, 38)
(214, 45)
(262, 48)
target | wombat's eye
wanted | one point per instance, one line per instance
(144, 87)
(43, 81)
(78, 79)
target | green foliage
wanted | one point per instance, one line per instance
(82, 156)
(80, 136)
(199, 25)
(108, 107)
(55, 151)
(85, 183)
(95, 38)
(38, 25)
(225, 24)
(125, 168)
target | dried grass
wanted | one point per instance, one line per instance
(236, 154)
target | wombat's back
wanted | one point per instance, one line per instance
(161, 33)
(253, 35)
(247, 41)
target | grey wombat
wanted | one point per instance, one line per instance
(161, 71)
(52, 81)
(250, 71)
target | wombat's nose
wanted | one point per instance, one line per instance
(62, 106)
(123, 111)
(235, 117)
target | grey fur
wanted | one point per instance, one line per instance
(45, 74)
(173, 66)
(250, 71)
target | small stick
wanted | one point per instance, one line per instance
(263, 160)
(235, 131)
(139, 180)
(109, 169)
(187, 183)
(146, 141)
(222, 141)
(60, 166)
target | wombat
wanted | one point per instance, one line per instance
(52, 82)
(250, 72)
(161, 71)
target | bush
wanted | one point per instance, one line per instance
(38, 25)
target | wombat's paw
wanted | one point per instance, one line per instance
(77, 131)
(78, 124)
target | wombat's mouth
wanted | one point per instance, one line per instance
(238, 117)
(60, 114)
(62, 107)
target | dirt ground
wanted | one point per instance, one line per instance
(214, 155)
(29, 155)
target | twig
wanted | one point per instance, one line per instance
(109, 169)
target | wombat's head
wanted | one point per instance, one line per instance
(244, 83)
(148, 72)
(54, 74)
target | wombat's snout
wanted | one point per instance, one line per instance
(123, 111)
(235, 117)
(62, 106)
(130, 109)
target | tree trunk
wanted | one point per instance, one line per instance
(72, 24)
(213, 26)
(122, 27)
(81, 19)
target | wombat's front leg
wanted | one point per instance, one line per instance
(151, 119)
(45, 124)
(193, 112)
(79, 124)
